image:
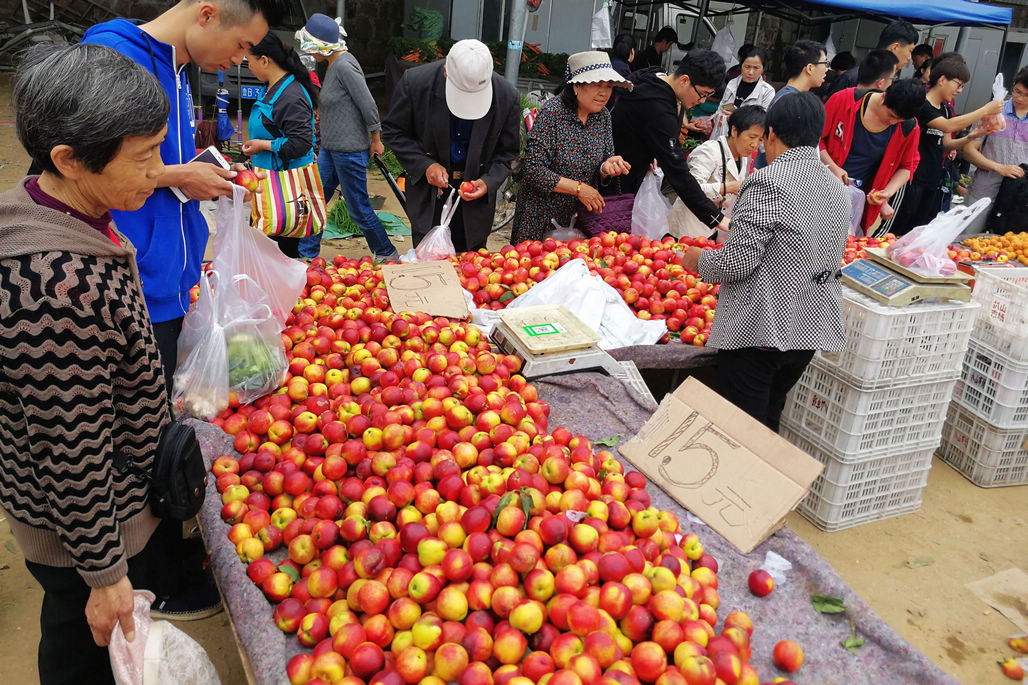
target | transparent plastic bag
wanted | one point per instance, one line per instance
(566, 233)
(651, 208)
(599, 38)
(437, 243)
(996, 122)
(924, 249)
(230, 342)
(724, 44)
(857, 202)
(201, 375)
(160, 653)
(239, 249)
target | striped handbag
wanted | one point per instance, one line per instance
(291, 203)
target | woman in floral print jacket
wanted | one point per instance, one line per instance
(570, 149)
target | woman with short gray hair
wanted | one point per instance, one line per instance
(82, 396)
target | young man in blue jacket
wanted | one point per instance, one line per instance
(169, 235)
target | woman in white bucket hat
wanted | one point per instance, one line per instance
(570, 149)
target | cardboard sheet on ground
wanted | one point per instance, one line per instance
(1007, 593)
(721, 464)
(430, 287)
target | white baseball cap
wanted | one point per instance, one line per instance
(469, 79)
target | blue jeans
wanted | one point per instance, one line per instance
(349, 172)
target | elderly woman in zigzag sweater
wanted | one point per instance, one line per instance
(81, 387)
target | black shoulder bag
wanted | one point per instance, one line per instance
(178, 476)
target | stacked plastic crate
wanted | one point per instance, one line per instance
(986, 432)
(873, 413)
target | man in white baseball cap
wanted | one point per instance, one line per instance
(454, 123)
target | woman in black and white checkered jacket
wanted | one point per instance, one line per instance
(780, 294)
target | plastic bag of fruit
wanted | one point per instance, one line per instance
(996, 122)
(924, 249)
(201, 375)
(230, 342)
(239, 249)
(437, 243)
(651, 208)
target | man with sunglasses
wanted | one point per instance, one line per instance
(647, 120)
(922, 199)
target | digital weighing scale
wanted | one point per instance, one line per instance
(895, 286)
(548, 340)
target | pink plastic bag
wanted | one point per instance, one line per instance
(924, 249)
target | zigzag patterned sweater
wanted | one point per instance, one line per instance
(80, 385)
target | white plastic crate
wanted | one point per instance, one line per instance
(634, 380)
(1002, 321)
(854, 424)
(985, 455)
(833, 516)
(898, 345)
(847, 481)
(994, 387)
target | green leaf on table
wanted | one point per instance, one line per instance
(852, 642)
(10, 547)
(984, 557)
(826, 604)
(526, 506)
(919, 562)
(609, 442)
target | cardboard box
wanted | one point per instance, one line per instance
(721, 464)
(430, 287)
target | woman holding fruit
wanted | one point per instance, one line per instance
(570, 149)
(281, 123)
(82, 393)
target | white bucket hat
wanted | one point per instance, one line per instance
(469, 79)
(593, 67)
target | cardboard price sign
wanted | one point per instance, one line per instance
(429, 287)
(721, 464)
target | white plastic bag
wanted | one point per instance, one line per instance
(566, 233)
(857, 202)
(600, 35)
(651, 208)
(996, 122)
(201, 375)
(924, 249)
(160, 653)
(239, 249)
(230, 342)
(724, 45)
(437, 243)
(597, 304)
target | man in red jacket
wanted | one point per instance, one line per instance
(871, 137)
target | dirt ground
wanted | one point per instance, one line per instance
(911, 570)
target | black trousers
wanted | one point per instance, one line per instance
(290, 247)
(165, 547)
(921, 203)
(67, 653)
(757, 380)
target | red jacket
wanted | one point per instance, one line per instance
(841, 113)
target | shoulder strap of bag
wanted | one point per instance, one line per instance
(724, 168)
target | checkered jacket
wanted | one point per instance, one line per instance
(779, 268)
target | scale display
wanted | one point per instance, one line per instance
(877, 280)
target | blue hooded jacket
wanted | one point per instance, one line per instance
(169, 236)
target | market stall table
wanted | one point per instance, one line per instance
(599, 407)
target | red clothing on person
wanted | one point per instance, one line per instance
(42, 198)
(841, 112)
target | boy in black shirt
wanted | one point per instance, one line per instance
(923, 198)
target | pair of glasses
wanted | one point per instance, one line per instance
(703, 96)
(824, 62)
